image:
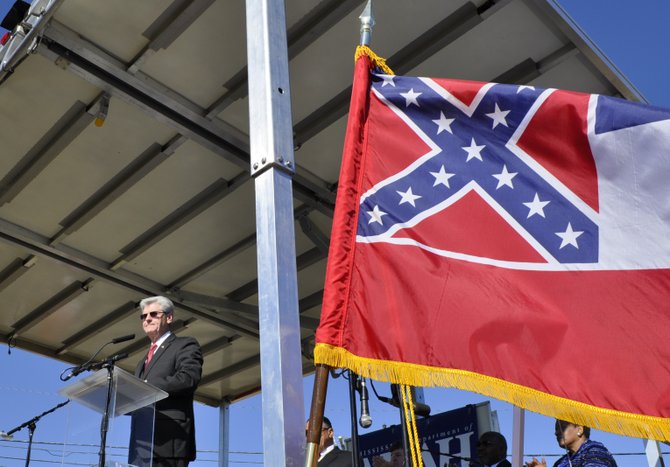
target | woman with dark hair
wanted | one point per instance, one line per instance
(582, 452)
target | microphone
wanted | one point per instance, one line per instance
(117, 357)
(365, 420)
(5, 436)
(88, 364)
(109, 361)
(420, 409)
(93, 366)
(75, 371)
(118, 340)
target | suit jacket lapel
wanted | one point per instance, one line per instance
(159, 353)
(140, 366)
(330, 457)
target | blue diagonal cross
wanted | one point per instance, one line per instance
(472, 150)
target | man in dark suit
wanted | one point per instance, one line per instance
(173, 364)
(492, 450)
(329, 454)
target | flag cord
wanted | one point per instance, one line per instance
(410, 416)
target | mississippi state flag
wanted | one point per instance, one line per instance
(507, 240)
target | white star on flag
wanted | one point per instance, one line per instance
(474, 151)
(410, 97)
(522, 87)
(442, 177)
(376, 215)
(388, 79)
(569, 237)
(408, 197)
(498, 116)
(536, 206)
(444, 124)
(505, 177)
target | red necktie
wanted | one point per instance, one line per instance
(150, 355)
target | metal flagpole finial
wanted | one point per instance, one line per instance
(367, 23)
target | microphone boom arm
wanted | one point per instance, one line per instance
(87, 365)
(34, 420)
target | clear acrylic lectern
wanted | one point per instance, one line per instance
(127, 394)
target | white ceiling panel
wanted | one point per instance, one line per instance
(116, 27)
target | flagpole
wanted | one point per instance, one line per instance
(316, 414)
(367, 23)
(322, 371)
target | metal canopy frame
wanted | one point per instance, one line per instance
(125, 166)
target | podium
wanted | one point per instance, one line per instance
(113, 392)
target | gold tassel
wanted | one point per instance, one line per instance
(624, 423)
(376, 60)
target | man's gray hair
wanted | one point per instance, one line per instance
(165, 303)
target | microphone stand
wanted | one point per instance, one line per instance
(355, 451)
(31, 425)
(104, 423)
(90, 365)
(403, 426)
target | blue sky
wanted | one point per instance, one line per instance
(633, 34)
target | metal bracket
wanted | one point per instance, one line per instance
(285, 165)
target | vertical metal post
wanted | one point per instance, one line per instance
(224, 434)
(272, 164)
(653, 452)
(418, 395)
(519, 421)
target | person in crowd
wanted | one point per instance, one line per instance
(492, 450)
(581, 451)
(173, 364)
(329, 454)
(397, 457)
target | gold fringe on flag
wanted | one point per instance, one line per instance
(375, 59)
(624, 423)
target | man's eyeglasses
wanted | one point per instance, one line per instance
(153, 314)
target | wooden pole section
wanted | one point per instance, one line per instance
(316, 414)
